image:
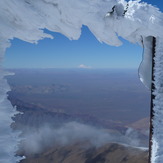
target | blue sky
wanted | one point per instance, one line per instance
(63, 53)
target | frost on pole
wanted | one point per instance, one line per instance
(107, 19)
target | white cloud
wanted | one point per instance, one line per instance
(36, 140)
(84, 66)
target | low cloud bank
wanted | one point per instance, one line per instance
(37, 140)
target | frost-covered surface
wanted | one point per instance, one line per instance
(26, 19)
(8, 138)
(157, 152)
(145, 69)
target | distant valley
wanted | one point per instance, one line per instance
(116, 95)
(111, 100)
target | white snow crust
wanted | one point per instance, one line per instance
(135, 21)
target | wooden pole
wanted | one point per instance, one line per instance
(152, 98)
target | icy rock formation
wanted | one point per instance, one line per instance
(106, 19)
